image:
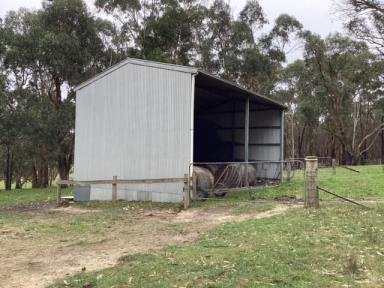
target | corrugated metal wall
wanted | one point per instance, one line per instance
(134, 123)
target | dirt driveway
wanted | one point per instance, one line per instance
(43, 246)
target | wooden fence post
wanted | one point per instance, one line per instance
(186, 191)
(114, 189)
(334, 166)
(311, 183)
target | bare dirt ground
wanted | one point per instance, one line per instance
(32, 260)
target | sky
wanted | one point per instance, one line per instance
(316, 15)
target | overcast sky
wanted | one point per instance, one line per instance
(315, 15)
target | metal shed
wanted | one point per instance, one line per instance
(148, 120)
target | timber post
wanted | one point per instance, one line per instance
(114, 188)
(311, 183)
(333, 166)
(187, 196)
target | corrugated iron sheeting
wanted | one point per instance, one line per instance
(134, 124)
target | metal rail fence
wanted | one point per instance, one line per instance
(218, 179)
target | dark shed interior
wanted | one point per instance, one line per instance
(220, 125)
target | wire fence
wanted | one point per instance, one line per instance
(323, 162)
(218, 179)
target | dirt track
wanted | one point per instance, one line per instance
(28, 262)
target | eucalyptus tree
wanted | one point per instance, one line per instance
(189, 33)
(348, 81)
(171, 34)
(298, 91)
(48, 52)
(70, 50)
(366, 21)
(262, 62)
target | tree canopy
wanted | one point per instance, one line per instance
(334, 93)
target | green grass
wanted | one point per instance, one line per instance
(337, 246)
(369, 184)
(25, 186)
(29, 196)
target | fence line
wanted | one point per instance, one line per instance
(114, 182)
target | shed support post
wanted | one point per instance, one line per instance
(382, 143)
(246, 140)
(282, 124)
(194, 186)
(114, 189)
(311, 183)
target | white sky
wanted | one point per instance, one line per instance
(316, 15)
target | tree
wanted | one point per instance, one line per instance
(171, 35)
(366, 21)
(46, 54)
(297, 90)
(262, 62)
(70, 51)
(348, 81)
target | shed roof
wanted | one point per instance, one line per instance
(230, 89)
(204, 79)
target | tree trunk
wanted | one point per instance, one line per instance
(65, 159)
(35, 177)
(8, 173)
(52, 175)
(301, 142)
(343, 154)
(364, 155)
(43, 174)
(64, 167)
(40, 176)
(19, 184)
(333, 148)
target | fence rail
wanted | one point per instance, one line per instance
(115, 181)
(121, 181)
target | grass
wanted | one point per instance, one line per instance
(26, 196)
(29, 196)
(337, 246)
(366, 185)
(27, 185)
